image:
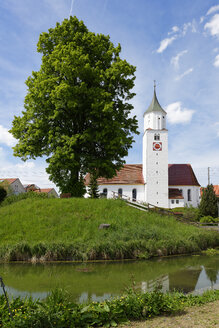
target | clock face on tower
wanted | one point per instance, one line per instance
(157, 146)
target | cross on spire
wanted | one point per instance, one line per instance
(154, 85)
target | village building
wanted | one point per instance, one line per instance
(12, 185)
(154, 181)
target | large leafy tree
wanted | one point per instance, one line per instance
(208, 204)
(77, 110)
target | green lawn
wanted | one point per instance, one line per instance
(62, 229)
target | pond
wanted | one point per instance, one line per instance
(99, 281)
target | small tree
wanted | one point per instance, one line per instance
(93, 187)
(3, 194)
(208, 205)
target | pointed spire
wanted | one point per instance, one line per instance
(154, 106)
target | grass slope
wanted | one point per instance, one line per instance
(67, 229)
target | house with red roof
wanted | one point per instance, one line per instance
(154, 181)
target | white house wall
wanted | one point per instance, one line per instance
(17, 187)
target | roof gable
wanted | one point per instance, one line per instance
(182, 175)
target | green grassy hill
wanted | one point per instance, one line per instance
(67, 229)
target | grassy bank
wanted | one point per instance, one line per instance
(59, 312)
(67, 229)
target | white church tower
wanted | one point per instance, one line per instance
(155, 154)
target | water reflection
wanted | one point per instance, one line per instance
(98, 281)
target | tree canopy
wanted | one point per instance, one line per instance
(77, 110)
(208, 204)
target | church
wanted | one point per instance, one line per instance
(154, 181)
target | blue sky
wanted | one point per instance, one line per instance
(174, 42)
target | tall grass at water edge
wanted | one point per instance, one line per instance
(67, 229)
(59, 311)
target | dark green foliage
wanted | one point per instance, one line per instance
(59, 311)
(3, 194)
(77, 110)
(208, 204)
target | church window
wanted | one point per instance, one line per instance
(156, 171)
(163, 117)
(156, 162)
(189, 195)
(134, 194)
(157, 154)
(157, 182)
(105, 192)
(157, 136)
(157, 192)
(120, 192)
(172, 201)
(177, 201)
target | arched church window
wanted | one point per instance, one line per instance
(120, 192)
(134, 194)
(189, 195)
(105, 192)
(157, 136)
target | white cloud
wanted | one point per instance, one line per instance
(176, 114)
(213, 9)
(165, 43)
(25, 165)
(213, 25)
(216, 61)
(188, 25)
(174, 29)
(175, 60)
(6, 138)
(202, 19)
(179, 77)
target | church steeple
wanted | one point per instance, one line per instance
(155, 115)
(155, 106)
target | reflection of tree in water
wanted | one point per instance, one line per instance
(212, 270)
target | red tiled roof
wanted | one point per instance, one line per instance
(129, 174)
(179, 175)
(182, 175)
(47, 190)
(216, 190)
(9, 180)
(175, 193)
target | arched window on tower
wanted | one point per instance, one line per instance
(134, 195)
(157, 136)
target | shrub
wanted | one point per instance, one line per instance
(3, 194)
(15, 198)
(208, 205)
(208, 219)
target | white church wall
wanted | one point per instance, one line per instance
(194, 195)
(126, 190)
(176, 203)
